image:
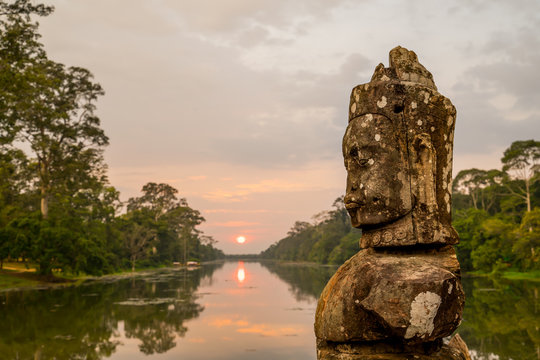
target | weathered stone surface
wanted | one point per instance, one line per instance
(457, 343)
(393, 351)
(403, 296)
(398, 155)
(400, 296)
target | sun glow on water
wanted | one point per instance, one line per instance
(240, 272)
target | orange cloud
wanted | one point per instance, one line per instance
(234, 224)
(197, 340)
(231, 211)
(197, 177)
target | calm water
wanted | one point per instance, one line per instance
(232, 310)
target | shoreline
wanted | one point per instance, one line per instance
(27, 279)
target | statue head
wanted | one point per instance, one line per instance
(398, 155)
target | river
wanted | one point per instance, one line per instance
(229, 310)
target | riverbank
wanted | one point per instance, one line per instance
(17, 276)
(510, 275)
(17, 279)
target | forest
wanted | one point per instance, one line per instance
(496, 213)
(58, 210)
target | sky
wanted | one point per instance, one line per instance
(242, 104)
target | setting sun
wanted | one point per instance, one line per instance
(241, 239)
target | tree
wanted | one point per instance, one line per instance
(480, 185)
(522, 162)
(20, 49)
(137, 241)
(46, 105)
(527, 244)
(175, 222)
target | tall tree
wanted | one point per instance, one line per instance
(522, 162)
(174, 220)
(46, 105)
(20, 50)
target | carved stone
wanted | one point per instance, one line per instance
(398, 154)
(409, 297)
(401, 295)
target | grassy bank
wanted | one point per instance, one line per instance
(10, 279)
(510, 275)
(20, 275)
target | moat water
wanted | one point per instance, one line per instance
(229, 310)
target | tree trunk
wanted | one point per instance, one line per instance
(132, 264)
(43, 175)
(474, 199)
(528, 194)
(44, 203)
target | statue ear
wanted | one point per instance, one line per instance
(423, 172)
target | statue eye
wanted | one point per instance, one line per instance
(353, 152)
(363, 162)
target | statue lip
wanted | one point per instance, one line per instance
(352, 205)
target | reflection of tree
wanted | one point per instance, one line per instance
(82, 322)
(502, 317)
(306, 281)
(59, 324)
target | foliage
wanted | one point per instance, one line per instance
(57, 207)
(521, 161)
(497, 212)
(163, 228)
(330, 239)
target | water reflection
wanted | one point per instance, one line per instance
(306, 281)
(89, 322)
(237, 310)
(240, 273)
(502, 318)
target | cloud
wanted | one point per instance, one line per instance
(234, 224)
(254, 95)
(239, 211)
(197, 177)
(234, 15)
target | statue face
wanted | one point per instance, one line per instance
(378, 181)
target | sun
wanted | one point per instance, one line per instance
(241, 239)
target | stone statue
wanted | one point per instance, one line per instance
(402, 294)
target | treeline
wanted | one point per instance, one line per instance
(496, 213)
(330, 239)
(57, 208)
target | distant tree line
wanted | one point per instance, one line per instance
(496, 213)
(329, 239)
(57, 208)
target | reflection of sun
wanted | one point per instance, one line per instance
(240, 273)
(241, 239)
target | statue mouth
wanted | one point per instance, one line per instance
(370, 223)
(353, 206)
